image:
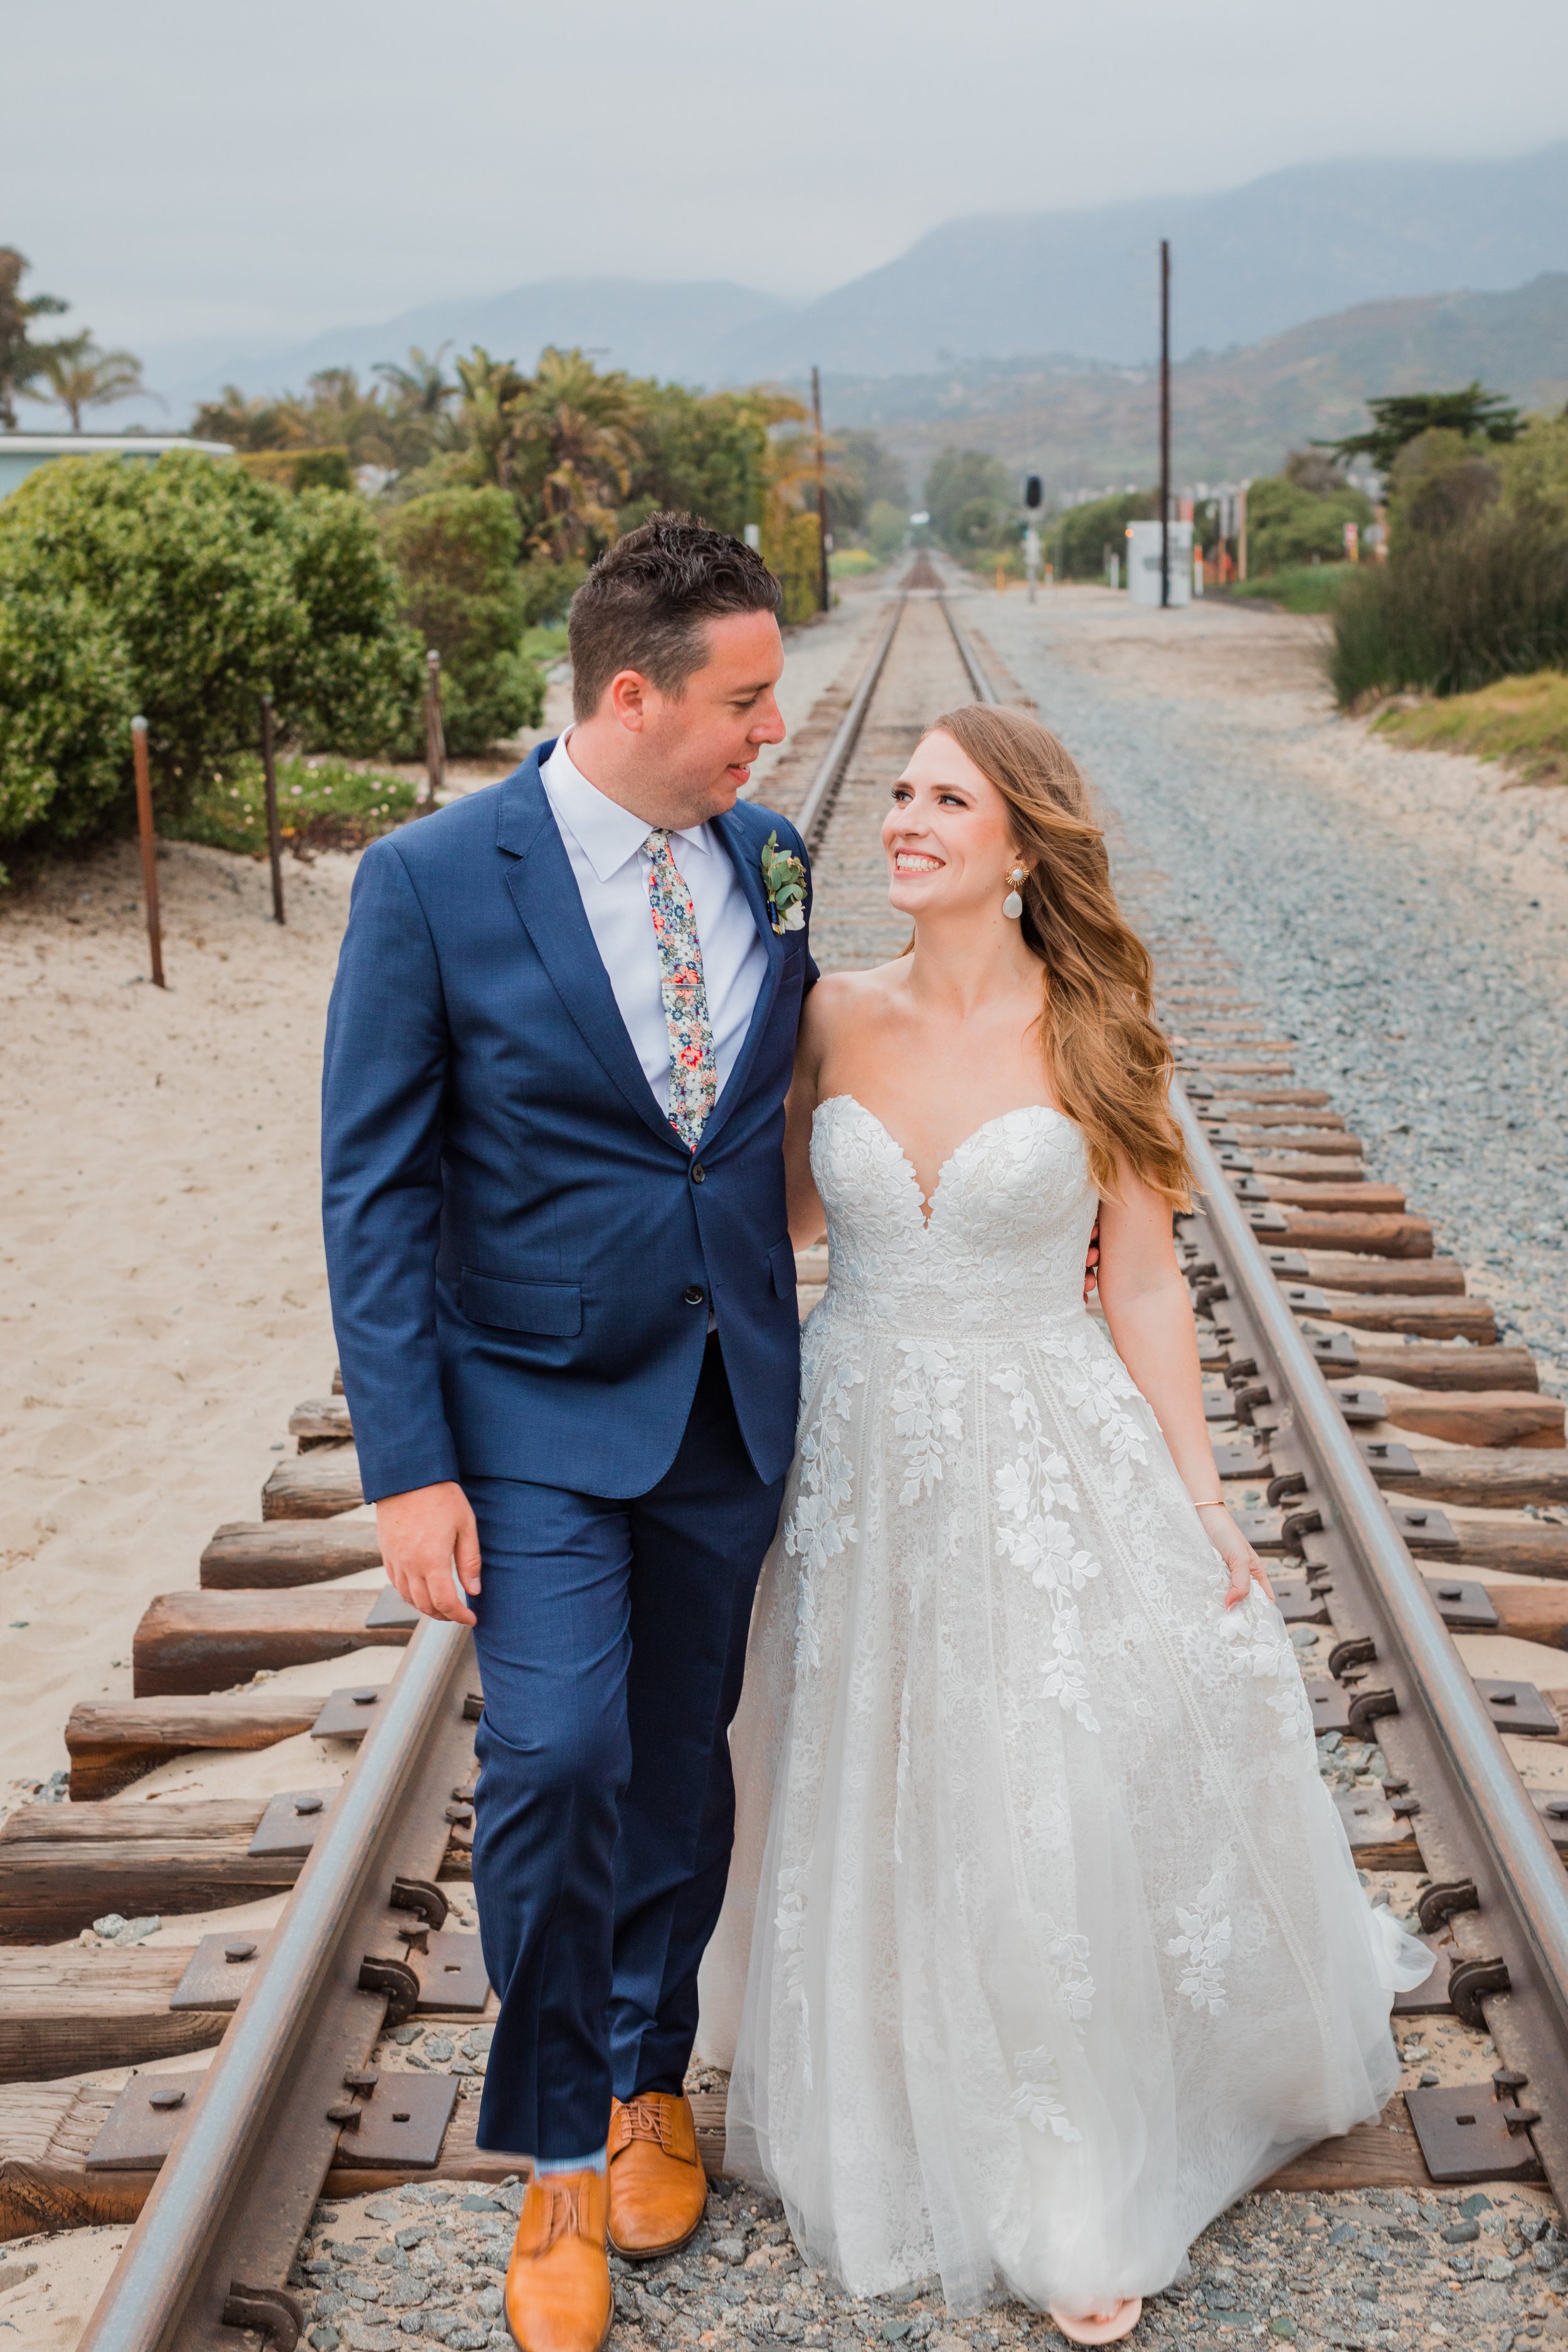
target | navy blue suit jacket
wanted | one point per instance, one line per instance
(513, 1227)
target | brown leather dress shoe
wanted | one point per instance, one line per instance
(659, 2190)
(558, 2295)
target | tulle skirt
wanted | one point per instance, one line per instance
(1043, 1940)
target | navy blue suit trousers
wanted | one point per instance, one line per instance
(612, 1638)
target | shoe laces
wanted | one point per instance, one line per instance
(644, 2119)
(563, 2209)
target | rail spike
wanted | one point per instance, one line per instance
(271, 2311)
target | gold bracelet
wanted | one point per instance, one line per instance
(1218, 1504)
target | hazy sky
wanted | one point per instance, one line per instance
(180, 171)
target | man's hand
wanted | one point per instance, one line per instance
(423, 1533)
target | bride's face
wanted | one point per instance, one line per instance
(946, 835)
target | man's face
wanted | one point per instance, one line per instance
(696, 749)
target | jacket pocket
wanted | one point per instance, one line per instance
(781, 1261)
(551, 1310)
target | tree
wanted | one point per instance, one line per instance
(79, 375)
(1401, 416)
(1288, 523)
(578, 435)
(416, 399)
(957, 478)
(211, 588)
(456, 555)
(21, 359)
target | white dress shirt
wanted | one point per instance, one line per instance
(605, 843)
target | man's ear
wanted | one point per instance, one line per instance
(628, 694)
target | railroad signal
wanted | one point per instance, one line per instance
(1033, 492)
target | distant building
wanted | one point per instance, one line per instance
(21, 452)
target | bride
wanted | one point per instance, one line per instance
(1043, 1941)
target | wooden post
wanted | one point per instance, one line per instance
(1165, 420)
(824, 592)
(1241, 531)
(434, 736)
(274, 837)
(149, 846)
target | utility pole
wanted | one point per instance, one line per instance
(823, 593)
(1164, 421)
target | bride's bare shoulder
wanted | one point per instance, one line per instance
(844, 998)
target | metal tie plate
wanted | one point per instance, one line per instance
(451, 1973)
(142, 2125)
(1464, 2134)
(1425, 1528)
(390, 1608)
(348, 1713)
(1299, 1604)
(1463, 1603)
(219, 1971)
(400, 2125)
(1518, 1708)
(1330, 1703)
(1361, 1407)
(292, 1823)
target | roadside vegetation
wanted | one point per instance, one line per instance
(360, 524)
(1521, 722)
(1476, 586)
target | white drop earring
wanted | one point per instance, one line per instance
(1012, 905)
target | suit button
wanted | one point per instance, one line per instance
(699, 1173)
(692, 1295)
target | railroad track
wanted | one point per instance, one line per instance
(1400, 1466)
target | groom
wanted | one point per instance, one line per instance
(564, 1296)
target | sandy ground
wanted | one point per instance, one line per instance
(163, 1296)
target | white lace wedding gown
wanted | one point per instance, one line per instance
(1059, 1943)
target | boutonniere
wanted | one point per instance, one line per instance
(783, 879)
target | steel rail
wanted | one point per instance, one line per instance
(237, 2188)
(981, 685)
(1502, 1843)
(811, 823)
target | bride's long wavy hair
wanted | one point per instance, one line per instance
(1107, 1057)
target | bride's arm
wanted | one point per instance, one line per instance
(1151, 1321)
(806, 1221)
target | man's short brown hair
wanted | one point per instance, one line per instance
(644, 605)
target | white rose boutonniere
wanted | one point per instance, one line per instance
(784, 880)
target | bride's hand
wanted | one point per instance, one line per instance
(1245, 1568)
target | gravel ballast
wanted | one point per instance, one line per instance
(1420, 966)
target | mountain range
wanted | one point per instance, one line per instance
(1249, 263)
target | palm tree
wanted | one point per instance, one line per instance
(492, 393)
(421, 388)
(79, 375)
(20, 357)
(580, 430)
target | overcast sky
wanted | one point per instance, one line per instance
(180, 171)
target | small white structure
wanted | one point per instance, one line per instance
(20, 453)
(1143, 562)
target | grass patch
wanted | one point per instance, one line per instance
(851, 562)
(1299, 587)
(1523, 722)
(321, 804)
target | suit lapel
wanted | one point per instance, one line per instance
(545, 891)
(744, 853)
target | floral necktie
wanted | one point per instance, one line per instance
(693, 1076)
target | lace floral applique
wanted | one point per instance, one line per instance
(925, 1409)
(1204, 1944)
(1096, 1389)
(1258, 1648)
(1066, 1957)
(822, 1523)
(1037, 2099)
(1045, 1548)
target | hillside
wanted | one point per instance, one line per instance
(1301, 242)
(1079, 424)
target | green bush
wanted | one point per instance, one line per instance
(1083, 533)
(1288, 523)
(1454, 612)
(67, 699)
(204, 589)
(548, 589)
(456, 552)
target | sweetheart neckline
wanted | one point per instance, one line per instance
(927, 1206)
